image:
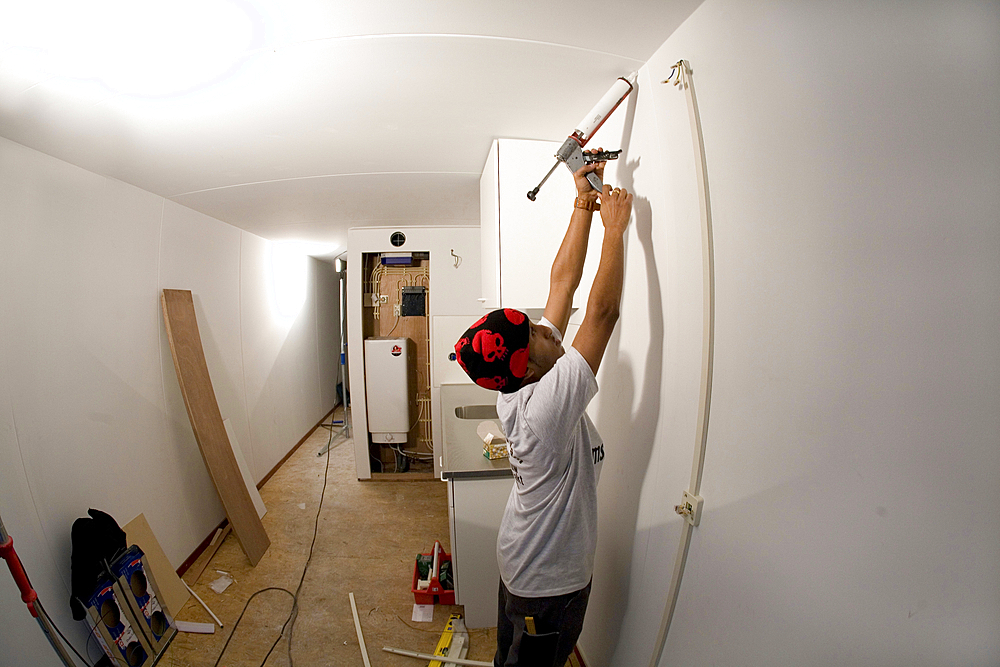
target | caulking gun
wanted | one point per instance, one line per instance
(571, 152)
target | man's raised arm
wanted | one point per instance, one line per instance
(567, 269)
(606, 293)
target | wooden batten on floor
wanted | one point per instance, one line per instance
(206, 420)
(214, 542)
(200, 549)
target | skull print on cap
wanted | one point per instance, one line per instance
(494, 351)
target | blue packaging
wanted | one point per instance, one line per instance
(118, 638)
(138, 588)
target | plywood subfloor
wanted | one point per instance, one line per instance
(369, 534)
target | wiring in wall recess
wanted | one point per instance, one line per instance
(405, 276)
(384, 293)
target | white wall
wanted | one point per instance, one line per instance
(90, 411)
(850, 484)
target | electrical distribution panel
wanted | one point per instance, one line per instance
(414, 303)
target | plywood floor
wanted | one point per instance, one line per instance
(368, 536)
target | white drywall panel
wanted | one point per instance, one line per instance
(646, 407)
(280, 354)
(203, 255)
(79, 328)
(22, 643)
(849, 497)
(80, 361)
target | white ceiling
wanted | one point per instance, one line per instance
(318, 116)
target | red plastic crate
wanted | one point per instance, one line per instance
(435, 593)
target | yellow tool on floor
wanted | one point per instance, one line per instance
(453, 642)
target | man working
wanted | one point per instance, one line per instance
(548, 535)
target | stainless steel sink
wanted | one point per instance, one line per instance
(476, 412)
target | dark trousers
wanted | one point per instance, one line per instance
(558, 622)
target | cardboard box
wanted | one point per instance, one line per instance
(494, 441)
(116, 628)
(136, 585)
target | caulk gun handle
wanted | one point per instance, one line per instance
(571, 155)
(595, 182)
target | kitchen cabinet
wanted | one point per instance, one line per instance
(520, 237)
(476, 505)
(478, 489)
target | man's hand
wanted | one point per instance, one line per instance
(616, 209)
(584, 190)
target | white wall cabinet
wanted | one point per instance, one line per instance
(520, 237)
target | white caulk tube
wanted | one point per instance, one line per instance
(592, 122)
(571, 153)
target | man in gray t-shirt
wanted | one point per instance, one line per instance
(548, 535)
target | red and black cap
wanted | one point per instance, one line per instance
(494, 350)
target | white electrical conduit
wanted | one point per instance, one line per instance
(357, 628)
(683, 71)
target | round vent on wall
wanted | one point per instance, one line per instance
(397, 239)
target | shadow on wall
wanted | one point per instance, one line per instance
(628, 415)
(627, 412)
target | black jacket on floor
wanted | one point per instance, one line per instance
(96, 541)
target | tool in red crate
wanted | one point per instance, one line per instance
(431, 590)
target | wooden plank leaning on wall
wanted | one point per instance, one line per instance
(206, 420)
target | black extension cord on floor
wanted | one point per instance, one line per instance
(293, 614)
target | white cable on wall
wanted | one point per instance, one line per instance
(683, 80)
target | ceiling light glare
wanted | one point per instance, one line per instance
(288, 278)
(145, 48)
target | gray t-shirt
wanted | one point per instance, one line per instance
(548, 534)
